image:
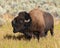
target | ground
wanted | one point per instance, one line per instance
(10, 40)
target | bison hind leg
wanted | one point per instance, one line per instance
(51, 31)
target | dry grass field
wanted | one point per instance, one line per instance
(10, 40)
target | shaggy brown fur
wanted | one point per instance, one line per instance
(36, 22)
(42, 22)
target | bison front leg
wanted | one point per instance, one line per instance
(46, 33)
(39, 34)
(36, 34)
(42, 33)
(28, 35)
(38, 37)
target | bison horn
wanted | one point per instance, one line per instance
(27, 20)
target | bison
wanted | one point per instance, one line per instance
(21, 23)
(36, 22)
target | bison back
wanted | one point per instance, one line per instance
(37, 19)
(48, 18)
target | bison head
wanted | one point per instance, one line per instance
(21, 22)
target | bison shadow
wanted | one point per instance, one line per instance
(19, 37)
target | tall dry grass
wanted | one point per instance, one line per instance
(10, 40)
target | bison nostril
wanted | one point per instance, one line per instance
(13, 22)
(14, 30)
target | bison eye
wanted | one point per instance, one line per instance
(21, 21)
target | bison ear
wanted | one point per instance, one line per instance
(27, 18)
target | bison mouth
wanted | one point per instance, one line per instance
(15, 30)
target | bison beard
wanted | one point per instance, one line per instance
(35, 23)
